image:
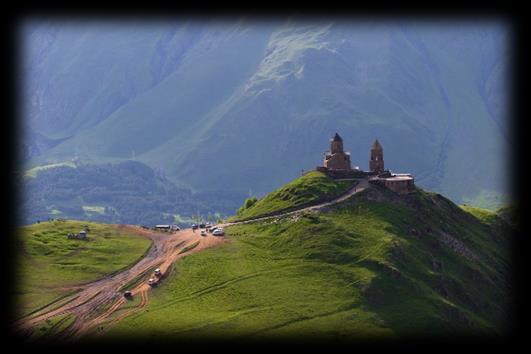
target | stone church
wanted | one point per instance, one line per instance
(336, 165)
(336, 158)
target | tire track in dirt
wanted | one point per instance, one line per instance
(142, 304)
(96, 295)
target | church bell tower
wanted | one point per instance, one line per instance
(376, 162)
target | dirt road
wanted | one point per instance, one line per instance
(97, 301)
(361, 186)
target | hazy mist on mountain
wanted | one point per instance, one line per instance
(246, 105)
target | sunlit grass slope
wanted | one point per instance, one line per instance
(375, 265)
(48, 261)
(311, 187)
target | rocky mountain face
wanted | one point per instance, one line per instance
(247, 104)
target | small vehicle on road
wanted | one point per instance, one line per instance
(202, 225)
(152, 281)
(158, 272)
(203, 233)
(194, 226)
(128, 294)
(218, 232)
(163, 227)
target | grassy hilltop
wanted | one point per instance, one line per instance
(374, 265)
(49, 262)
(312, 187)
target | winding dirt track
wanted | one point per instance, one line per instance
(361, 186)
(89, 304)
(96, 302)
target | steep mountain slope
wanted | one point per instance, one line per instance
(257, 101)
(375, 265)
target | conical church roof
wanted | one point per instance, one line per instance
(337, 138)
(376, 145)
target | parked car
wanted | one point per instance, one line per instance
(194, 226)
(202, 225)
(203, 233)
(161, 227)
(158, 272)
(218, 232)
(152, 281)
(128, 294)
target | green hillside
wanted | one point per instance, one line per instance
(48, 261)
(374, 265)
(127, 192)
(312, 187)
